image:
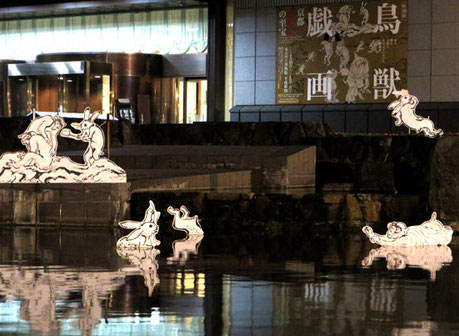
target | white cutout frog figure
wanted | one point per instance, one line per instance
(431, 232)
(183, 221)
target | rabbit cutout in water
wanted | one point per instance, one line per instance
(144, 234)
(91, 133)
(184, 222)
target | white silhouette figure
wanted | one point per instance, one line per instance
(182, 248)
(144, 234)
(300, 70)
(404, 112)
(41, 164)
(343, 53)
(327, 47)
(431, 232)
(311, 56)
(40, 140)
(143, 262)
(364, 12)
(184, 222)
(431, 258)
(332, 98)
(91, 133)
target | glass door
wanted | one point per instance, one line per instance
(195, 100)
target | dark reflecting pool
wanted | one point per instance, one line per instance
(73, 282)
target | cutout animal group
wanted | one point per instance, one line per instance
(144, 234)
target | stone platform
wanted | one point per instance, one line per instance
(157, 169)
(208, 168)
(66, 204)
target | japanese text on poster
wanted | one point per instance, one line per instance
(335, 53)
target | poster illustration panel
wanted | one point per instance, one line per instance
(341, 53)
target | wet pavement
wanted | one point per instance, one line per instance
(74, 282)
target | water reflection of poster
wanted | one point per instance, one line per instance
(337, 53)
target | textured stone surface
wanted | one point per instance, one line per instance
(444, 178)
(353, 211)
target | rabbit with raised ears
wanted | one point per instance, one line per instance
(364, 12)
(91, 133)
(144, 234)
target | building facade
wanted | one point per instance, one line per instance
(431, 64)
(156, 56)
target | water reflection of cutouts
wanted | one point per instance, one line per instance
(430, 258)
(143, 262)
(182, 248)
(39, 289)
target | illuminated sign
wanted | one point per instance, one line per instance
(341, 53)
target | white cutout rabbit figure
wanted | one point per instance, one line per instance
(91, 133)
(144, 234)
(184, 222)
(404, 112)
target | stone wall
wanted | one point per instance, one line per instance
(411, 169)
(278, 214)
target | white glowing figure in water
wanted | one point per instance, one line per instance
(431, 258)
(183, 221)
(431, 232)
(144, 234)
(404, 111)
(182, 248)
(41, 164)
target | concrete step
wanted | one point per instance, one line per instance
(214, 167)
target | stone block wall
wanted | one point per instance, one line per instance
(64, 205)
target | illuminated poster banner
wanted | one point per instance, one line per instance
(341, 53)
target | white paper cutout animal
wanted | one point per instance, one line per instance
(41, 164)
(144, 234)
(404, 112)
(143, 262)
(91, 133)
(431, 232)
(40, 140)
(182, 248)
(184, 222)
(431, 258)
